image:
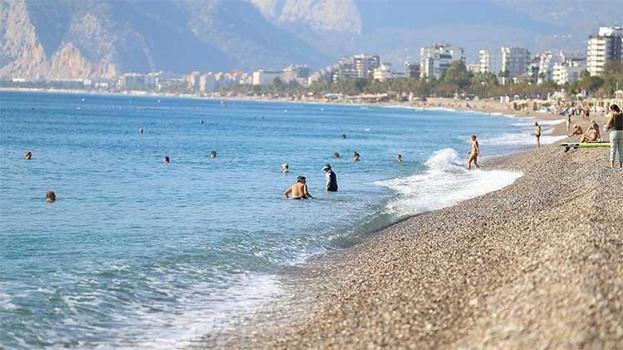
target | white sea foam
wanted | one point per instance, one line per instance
(519, 139)
(443, 184)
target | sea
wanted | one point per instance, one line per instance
(136, 253)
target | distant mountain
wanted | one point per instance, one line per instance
(100, 38)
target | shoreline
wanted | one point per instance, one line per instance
(401, 287)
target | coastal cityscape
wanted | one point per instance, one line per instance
(442, 70)
(311, 174)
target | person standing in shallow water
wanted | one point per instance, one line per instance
(537, 133)
(615, 126)
(330, 179)
(473, 154)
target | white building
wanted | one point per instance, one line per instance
(490, 62)
(604, 47)
(365, 65)
(435, 59)
(515, 61)
(300, 74)
(568, 71)
(547, 61)
(383, 72)
(266, 77)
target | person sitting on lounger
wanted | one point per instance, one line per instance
(577, 130)
(592, 134)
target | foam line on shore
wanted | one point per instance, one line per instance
(445, 183)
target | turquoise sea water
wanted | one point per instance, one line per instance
(138, 254)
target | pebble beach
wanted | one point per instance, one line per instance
(537, 264)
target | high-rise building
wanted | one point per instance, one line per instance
(547, 61)
(365, 65)
(490, 61)
(266, 77)
(435, 59)
(602, 48)
(568, 71)
(515, 61)
(412, 69)
(296, 73)
(383, 72)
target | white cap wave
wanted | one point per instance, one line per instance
(445, 183)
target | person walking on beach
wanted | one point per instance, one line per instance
(537, 133)
(473, 154)
(615, 125)
(330, 179)
(299, 190)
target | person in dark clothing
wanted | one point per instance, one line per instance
(330, 179)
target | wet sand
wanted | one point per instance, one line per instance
(538, 264)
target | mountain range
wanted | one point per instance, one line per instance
(63, 39)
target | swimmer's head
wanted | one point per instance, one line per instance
(27, 155)
(326, 168)
(166, 159)
(50, 197)
(213, 154)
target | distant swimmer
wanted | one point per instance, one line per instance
(330, 179)
(285, 168)
(474, 152)
(141, 130)
(299, 190)
(213, 154)
(537, 133)
(343, 136)
(28, 155)
(166, 160)
(336, 155)
(356, 156)
(399, 157)
(202, 122)
(50, 197)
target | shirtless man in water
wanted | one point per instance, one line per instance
(473, 154)
(298, 190)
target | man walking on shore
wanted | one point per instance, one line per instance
(537, 133)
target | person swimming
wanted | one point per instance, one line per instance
(50, 197)
(202, 122)
(356, 156)
(166, 160)
(141, 130)
(299, 190)
(330, 179)
(285, 168)
(474, 152)
(213, 154)
(399, 157)
(336, 155)
(27, 155)
(343, 136)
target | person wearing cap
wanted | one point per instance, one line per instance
(299, 190)
(330, 179)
